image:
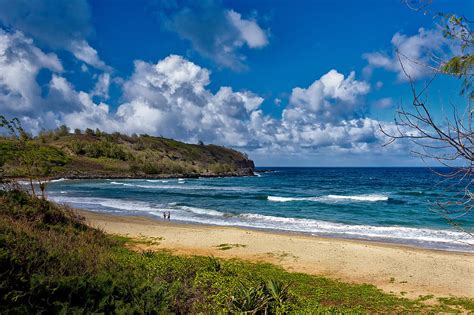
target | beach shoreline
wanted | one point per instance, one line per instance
(326, 236)
(398, 268)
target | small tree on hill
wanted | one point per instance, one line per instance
(30, 156)
(62, 131)
(89, 132)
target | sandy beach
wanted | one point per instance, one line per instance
(392, 268)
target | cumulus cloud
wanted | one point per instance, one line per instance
(20, 63)
(414, 52)
(54, 24)
(217, 33)
(330, 113)
(21, 95)
(329, 99)
(174, 92)
(172, 98)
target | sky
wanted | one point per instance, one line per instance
(303, 83)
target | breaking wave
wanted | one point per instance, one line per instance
(329, 198)
(436, 238)
(181, 186)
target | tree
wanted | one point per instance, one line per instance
(89, 132)
(447, 140)
(37, 166)
(30, 156)
(62, 131)
(13, 127)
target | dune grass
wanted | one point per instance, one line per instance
(51, 262)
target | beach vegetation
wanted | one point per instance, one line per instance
(226, 246)
(52, 262)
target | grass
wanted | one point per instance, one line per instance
(51, 262)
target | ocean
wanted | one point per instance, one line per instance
(383, 204)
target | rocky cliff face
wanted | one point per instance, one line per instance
(245, 166)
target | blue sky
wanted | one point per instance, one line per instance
(293, 84)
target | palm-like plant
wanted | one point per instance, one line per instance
(249, 300)
(271, 297)
(278, 290)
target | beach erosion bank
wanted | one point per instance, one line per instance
(393, 268)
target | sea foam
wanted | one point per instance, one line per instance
(35, 182)
(329, 198)
(438, 238)
(359, 231)
(181, 186)
(360, 198)
(157, 181)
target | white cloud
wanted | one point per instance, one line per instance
(44, 106)
(101, 87)
(331, 98)
(90, 115)
(174, 91)
(385, 102)
(415, 53)
(54, 24)
(172, 98)
(20, 63)
(217, 33)
(84, 52)
(250, 31)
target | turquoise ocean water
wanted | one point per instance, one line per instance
(385, 204)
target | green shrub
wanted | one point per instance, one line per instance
(151, 168)
(99, 149)
(219, 168)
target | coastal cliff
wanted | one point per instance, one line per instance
(96, 154)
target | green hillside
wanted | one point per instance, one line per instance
(95, 154)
